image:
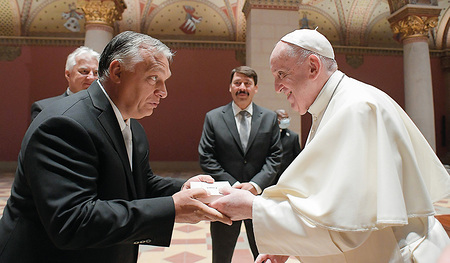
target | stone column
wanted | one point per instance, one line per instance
(411, 25)
(267, 22)
(100, 16)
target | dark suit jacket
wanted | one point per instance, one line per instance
(291, 148)
(221, 153)
(74, 197)
(39, 105)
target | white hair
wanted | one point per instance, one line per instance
(72, 57)
(302, 54)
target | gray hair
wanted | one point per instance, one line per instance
(302, 54)
(126, 48)
(72, 57)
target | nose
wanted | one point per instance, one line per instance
(161, 91)
(278, 87)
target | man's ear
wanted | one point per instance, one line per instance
(67, 74)
(315, 65)
(256, 88)
(115, 71)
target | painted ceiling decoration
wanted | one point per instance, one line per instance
(347, 23)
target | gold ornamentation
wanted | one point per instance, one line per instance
(414, 21)
(102, 12)
(414, 26)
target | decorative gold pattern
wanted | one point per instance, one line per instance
(102, 12)
(414, 26)
(413, 21)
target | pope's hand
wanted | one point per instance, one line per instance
(190, 210)
(236, 203)
(197, 178)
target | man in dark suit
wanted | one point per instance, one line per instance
(240, 144)
(289, 140)
(84, 190)
(81, 71)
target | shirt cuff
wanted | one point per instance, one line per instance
(258, 189)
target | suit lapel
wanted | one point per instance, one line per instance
(256, 122)
(108, 120)
(230, 121)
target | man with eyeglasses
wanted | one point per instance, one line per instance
(81, 71)
(289, 140)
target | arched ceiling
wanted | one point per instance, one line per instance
(345, 22)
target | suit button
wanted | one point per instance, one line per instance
(148, 241)
(245, 161)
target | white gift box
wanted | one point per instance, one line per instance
(212, 189)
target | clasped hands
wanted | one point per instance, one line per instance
(236, 203)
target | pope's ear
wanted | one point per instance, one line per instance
(115, 70)
(315, 66)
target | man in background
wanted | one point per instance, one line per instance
(289, 140)
(84, 190)
(240, 144)
(81, 70)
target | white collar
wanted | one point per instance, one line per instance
(119, 117)
(236, 108)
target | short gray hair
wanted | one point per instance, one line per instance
(126, 48)
(72, 57)
(302, 54)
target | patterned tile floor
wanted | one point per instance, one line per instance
(190, 243)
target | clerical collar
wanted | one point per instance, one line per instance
(324, 97)
(236, 108)
(119, 117)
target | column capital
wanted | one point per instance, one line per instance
(270, 4)
(104, 12)
(414, 21)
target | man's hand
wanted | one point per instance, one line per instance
(248, 187)
(190, 210)
(237, 204)
(197, 178)
(263, 258)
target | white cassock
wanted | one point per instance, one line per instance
(363, 188)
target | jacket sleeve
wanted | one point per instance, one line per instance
(64, 174)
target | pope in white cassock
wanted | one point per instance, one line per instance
(363, 188)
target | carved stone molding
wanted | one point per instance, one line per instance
(412, 21)
(270, 4)
(104, 12)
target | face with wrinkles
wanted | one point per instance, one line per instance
(291, 78)
(141, 89)
(84, 72)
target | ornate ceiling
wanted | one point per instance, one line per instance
(356, 23)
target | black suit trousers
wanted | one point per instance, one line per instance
(224, 238)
